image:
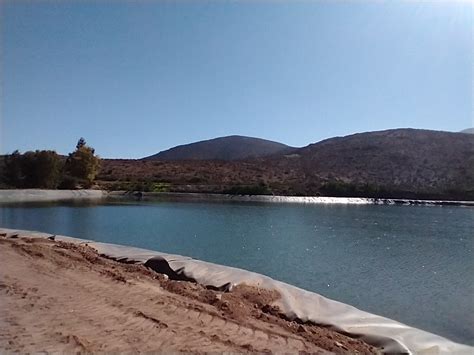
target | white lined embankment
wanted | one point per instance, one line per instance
(295, 303)
(190, 196)
(40, 195)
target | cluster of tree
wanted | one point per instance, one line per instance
(48, 170)
(142, 186)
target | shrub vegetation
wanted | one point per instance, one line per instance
(260, 189)
(82, 164)
(45, 169)
(41, 169)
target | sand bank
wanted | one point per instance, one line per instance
(292, 303)
(64, 297)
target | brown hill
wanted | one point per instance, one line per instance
(394, 163)
(223, 148)
(407, 161)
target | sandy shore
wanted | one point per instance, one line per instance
(62, 297)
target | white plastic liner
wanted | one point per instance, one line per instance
(393, 336)
(38, 195)
(206, 197)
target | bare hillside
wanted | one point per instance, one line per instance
(394, 163)
(409, 160)
(223, 148)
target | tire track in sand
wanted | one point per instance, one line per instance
(59, 297)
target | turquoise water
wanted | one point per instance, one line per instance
(414, 264)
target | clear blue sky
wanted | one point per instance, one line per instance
(137, 77)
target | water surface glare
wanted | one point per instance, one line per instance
(414, 264)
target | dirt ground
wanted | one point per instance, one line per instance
(62, 297)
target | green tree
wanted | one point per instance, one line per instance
(47, 169)
(41, 169)
(12, 173)
(83, 164)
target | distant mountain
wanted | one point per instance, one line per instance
(468, 130)
(223, 148)
(397, 163)
(409, 160)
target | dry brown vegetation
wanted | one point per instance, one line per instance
(401, 163)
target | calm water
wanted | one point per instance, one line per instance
(410, 263)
